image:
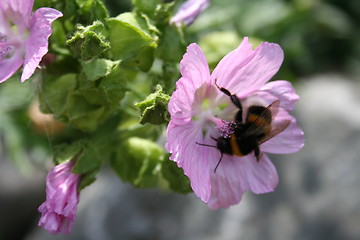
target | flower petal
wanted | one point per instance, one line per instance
(180, 103)
(195, 72)
(8, 66)
(193, 158)
(59, 174)
(54, 223)
(284, 91)
(37, 44)
(189, 11)
(244, 70)
(194, 66)
(235, 175)
(18, 11)
(289, 141)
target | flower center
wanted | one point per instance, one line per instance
(6, 51)
(213, 113)
(12, 36)
(227, 129)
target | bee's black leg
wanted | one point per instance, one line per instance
(235, 100)
(218, 162)
(238, 116)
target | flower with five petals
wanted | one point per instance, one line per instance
(201, 114)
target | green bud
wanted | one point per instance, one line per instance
(154, 108)
(89, 42)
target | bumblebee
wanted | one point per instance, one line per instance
(246, 136)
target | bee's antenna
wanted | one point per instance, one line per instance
(206, 145)
(218, 162)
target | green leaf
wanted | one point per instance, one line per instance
(56, 94)
(89, 160)
(132, 38)
(94, 96)
(154, 108)
(172, 45)
(159, 11)
(91, 10)
(89, 42)
(77, 11)
(88, 178)
(67, 152)
(84, 115)
(147, 6)
(175, 177)
(97, 68)
(103, 82)
(86, 156)
(138, 161)
(144, 58)
(114, 86)
(84, 102)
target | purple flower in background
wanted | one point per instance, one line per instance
(202, 130)
(62, 197)
(189, 11)
(23, 36)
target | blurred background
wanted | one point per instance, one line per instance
(318, 196)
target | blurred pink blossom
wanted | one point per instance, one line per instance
(189, 11)
(200, 113)
(23, 36)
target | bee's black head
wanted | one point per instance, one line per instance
(224, 146)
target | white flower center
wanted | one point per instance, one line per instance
(211, 108)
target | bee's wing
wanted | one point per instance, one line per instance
(265, 124)
(274, 108)
(260, 122)
(276, 128)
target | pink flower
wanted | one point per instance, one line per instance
(201, 114)
(189, 11)
(23, 36)
(62, 197)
